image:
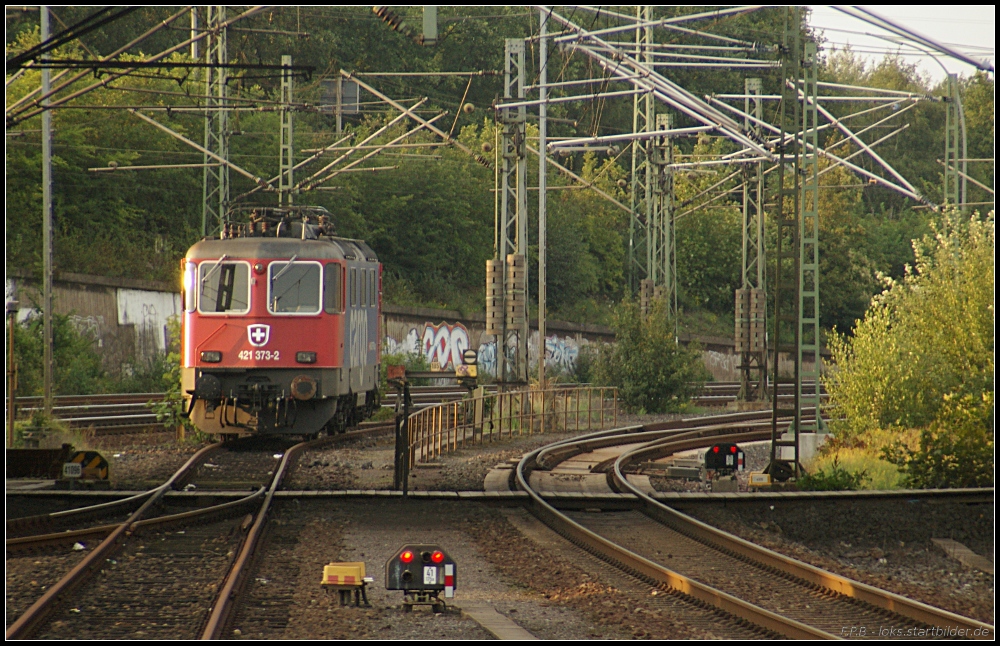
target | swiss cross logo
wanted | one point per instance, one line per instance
(259, 334)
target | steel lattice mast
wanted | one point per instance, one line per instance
(507, 273)
(751, 298)
(215, 180)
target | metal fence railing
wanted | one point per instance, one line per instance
(485, 416)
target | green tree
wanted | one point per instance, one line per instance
(923, 356)
(652, 373)
(709, 241)
(956, 450)
(585, 251)
(78, 368)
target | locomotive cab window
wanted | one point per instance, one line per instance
(294, 288)
(333, 289)
(223, 287)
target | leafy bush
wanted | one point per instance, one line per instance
(169, 411)
(925, 337)
(586, 361)
(78, 369)
(923, 359)
(956, 450)
(836, 479)
(652, 373)
(47, 431)
(414, 361)
(143, 375)
(881, 475)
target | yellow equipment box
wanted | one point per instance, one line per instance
(344, 574)
(345, 578)
(759, 479)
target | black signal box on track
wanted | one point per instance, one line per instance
(422, 572)
(724, 458)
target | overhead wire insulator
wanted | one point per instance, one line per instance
(392, 19)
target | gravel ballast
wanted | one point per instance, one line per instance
(307, 535)
(885, 543)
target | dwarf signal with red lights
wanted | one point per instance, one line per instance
(724, 458)
(422, 572)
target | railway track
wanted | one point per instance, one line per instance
(736, 582)
(159, 573)
(130, 412)
(672, 550)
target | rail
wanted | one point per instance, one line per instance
(440, 429)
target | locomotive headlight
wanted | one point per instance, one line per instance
(211, 356)
(305, 357)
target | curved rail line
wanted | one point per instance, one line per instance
(47, 523)
(655, 573)
(792, 571)
(232, 589)
(768, 559)
(39, 610)
(256, 504)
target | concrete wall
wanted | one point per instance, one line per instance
(127, 320)
(442, 335)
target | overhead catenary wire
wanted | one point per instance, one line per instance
(873, 18)
(149, 32)
(13, 120)
(662, 88)
(838, 160)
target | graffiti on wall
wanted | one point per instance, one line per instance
(487, 359)
(561, 353)
(724, 367)
(410, 344)
(89, 326)
(444, 343)
(148, 311)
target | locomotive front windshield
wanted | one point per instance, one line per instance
(294, 288)
(224, 287)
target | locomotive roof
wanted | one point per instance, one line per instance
(261, 247)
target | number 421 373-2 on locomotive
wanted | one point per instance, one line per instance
(281, 327)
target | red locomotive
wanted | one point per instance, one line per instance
(281, 327)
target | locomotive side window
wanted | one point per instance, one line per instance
(294, 288)
(333, 289)
(371, 288)
(223, 287)
(352, 287)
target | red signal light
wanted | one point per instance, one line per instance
(715, 449)
(437, 557)
(732, 449)
(406, 557)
